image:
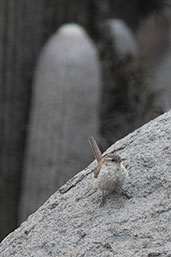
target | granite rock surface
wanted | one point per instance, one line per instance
(71, 223)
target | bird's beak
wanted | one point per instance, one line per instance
(123, 159)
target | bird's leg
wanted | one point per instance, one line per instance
(103, 199)
(125, 193)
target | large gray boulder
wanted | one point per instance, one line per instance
(71, 223)
(66, 94)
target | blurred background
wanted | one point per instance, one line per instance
(69, 70)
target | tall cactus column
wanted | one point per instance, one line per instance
(64, 114)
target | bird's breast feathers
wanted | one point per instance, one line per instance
(110, 176)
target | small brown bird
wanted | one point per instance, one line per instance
(109, 174)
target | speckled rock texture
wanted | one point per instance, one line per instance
(71, 223)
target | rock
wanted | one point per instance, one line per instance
(66, 94)
(71, 223)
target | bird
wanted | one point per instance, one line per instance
(109, 173)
